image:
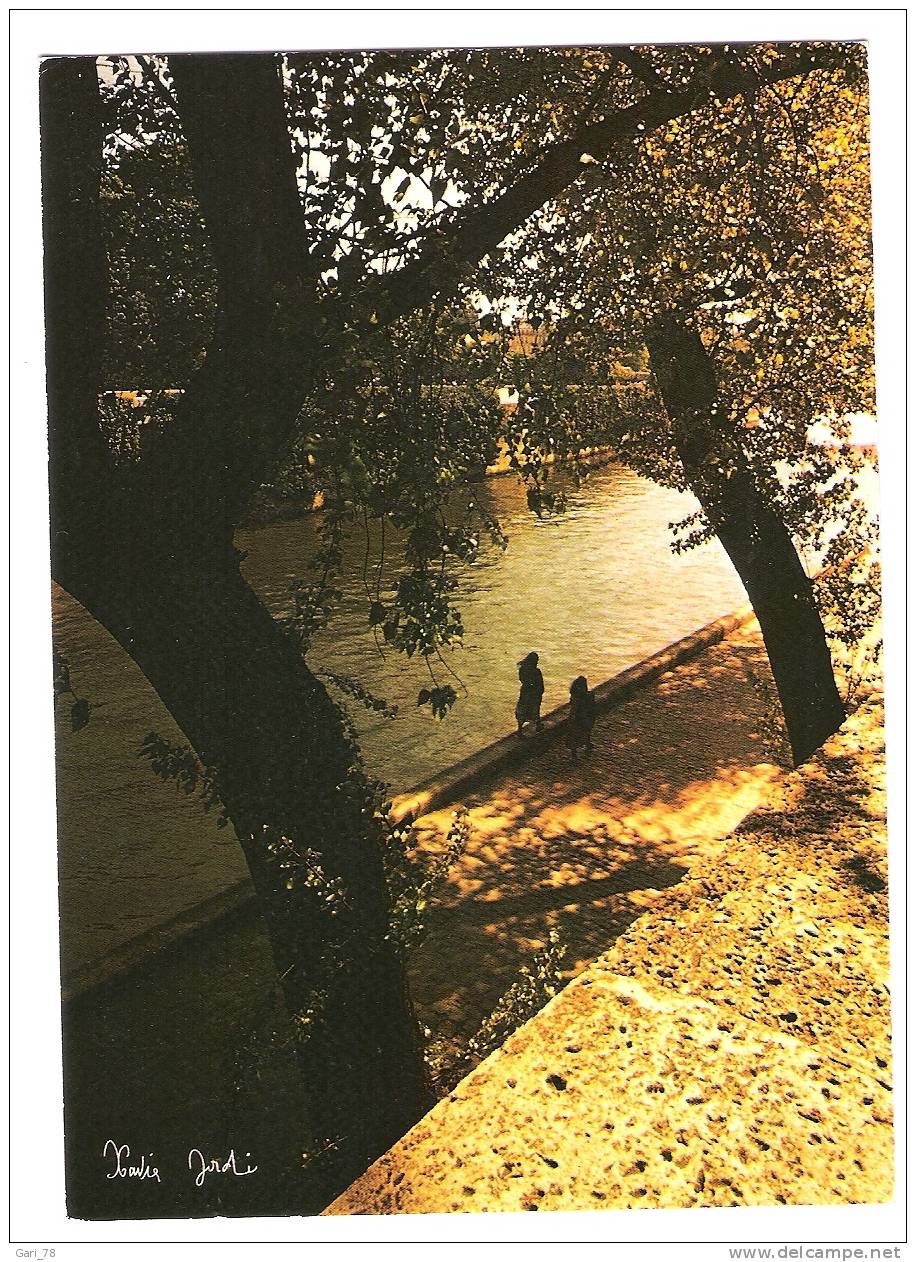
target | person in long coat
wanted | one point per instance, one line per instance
(528, 706)
(581, 715)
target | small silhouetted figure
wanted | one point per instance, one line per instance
(581, 715)
(528, 707)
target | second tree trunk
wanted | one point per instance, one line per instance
(753, 535)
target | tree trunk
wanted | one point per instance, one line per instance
(76, 282)
(302, 808)
(147, 550)
(754, 537)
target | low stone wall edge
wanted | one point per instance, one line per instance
(460, 780)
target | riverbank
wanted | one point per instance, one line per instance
(135, 853)
(731, 1049)
(188, 1045)
(269, 507)
(450, 787)
(583, 847)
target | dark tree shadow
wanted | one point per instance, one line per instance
(584, 846)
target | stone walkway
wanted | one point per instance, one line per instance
(585, 846)
(731, 1049)
(183, 1048)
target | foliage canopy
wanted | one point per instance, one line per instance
(745, 213)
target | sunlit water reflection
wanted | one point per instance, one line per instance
(593, 591)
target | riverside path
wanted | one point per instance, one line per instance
(585, 845)
(189, 1041)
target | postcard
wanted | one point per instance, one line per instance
(467, 634)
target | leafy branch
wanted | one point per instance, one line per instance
(180, 764)
(537, 984)
(81, 707)
(359, 692)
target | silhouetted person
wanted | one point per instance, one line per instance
(528, 707)
(581, 715)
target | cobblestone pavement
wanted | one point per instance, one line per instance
(585, 846)
(732, 1048)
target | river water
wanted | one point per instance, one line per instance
(594, 590)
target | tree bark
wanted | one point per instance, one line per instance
(752, 534)
(147, 549)
(76, 283)
(292, 785)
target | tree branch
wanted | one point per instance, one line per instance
(477, 232)
(152, 80)
(643, 70)
(242, 405)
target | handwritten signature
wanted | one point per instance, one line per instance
(122, 1170)
(200, 1164)
(215, 1165)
